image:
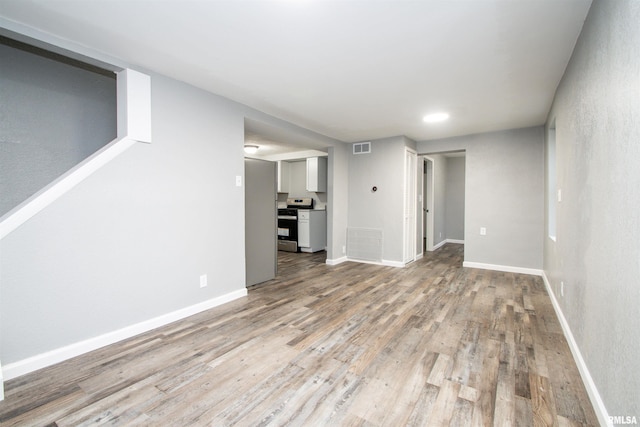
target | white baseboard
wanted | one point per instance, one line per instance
(384, 262)
(439, 245)
(16, 369)
(505, 268)
(456, 241)
(336, 261)
(596, 400)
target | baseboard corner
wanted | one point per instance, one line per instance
(587, 379)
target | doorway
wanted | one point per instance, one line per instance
(444, 194)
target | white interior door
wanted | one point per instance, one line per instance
(410, 196)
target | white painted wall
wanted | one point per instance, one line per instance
(504, 188)
(597, 252)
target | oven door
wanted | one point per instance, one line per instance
(288, 233)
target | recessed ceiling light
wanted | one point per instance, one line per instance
(251, 149)
(435, 117)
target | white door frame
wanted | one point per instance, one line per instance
(409, 206)
(429, 185)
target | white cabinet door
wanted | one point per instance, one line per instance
(304, 229)
(317, 174)
(283, 176)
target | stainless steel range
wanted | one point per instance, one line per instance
(288, 223)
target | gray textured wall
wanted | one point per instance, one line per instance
(338, 202)
(53, 115)
(439, 198)
(130, 242)
(597, 252)
(504, 187)
(382, 209)
(454, 203)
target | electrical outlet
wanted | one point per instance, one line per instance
(483, 231)
(561, 289)
(344, 250)
(203, 281)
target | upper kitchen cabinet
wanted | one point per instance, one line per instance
(317, 174)
(283, 176)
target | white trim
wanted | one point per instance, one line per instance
(16, 217)
(134, 105)
(336, 261)
(596, 400)
(438, 246)
(395, 263)
(505, 268)
(58, 355)
(420, 256)
(384, 262)
(456, 241)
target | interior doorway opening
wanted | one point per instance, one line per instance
(443, 216)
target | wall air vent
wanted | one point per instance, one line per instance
(364, 244)
(362, 148)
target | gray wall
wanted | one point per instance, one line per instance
(338, 202)
(53, 116)
(382, 209)
(454, 203)
(596, 255)
(439, 198)
(504, 187)
(130, 242)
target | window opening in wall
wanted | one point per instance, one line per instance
(56, 112)
(552, 202)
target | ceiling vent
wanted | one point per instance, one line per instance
(362, 148)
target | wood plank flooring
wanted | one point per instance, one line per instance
(431, 344)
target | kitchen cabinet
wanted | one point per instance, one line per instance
(283, 176)
(312, 230)
(317, 174)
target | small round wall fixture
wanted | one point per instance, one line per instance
(374, 189)
(251, 149)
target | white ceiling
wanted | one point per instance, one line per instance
(351, 70)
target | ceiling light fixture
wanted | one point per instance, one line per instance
(435, 117)
(251, 149)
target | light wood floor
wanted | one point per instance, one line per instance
(354, 344)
